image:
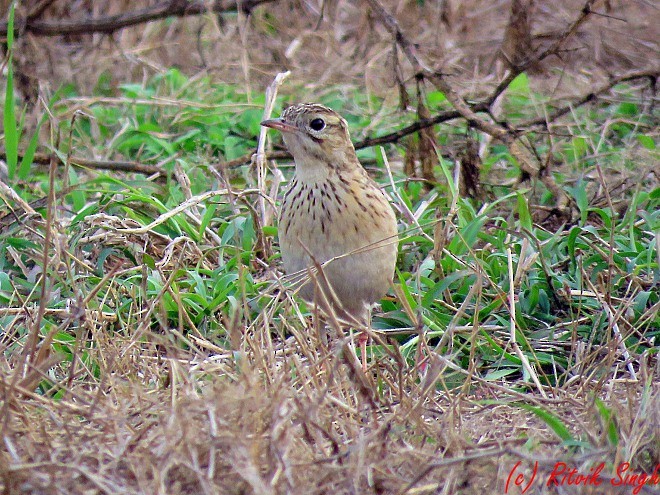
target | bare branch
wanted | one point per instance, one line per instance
(119, 166)
(435, 77)
(514, 140)
(543, 121)
(393, 137)
(110, 24)
(551, 50)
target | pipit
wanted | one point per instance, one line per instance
(335, 223)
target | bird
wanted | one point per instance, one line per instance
(335, 217)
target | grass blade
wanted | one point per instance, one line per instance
(11, 131)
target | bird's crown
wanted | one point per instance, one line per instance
(314, 118)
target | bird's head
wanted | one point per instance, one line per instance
(316, 136)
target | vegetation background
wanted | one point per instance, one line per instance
(149, 342)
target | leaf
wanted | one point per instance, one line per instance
(28, 155)
(445, 283)
(269, 231)
(523, 213)
(250, 120)
(608, 419)
(520, 84)
(646, 141)
(497, 374)
(551, 420)
(234, 147)
(628, 109)
(577, 149)
(11, 132)
(604, 214)
(498, 350)
(579, 192)
(435, 98)
(469, 235)
(5, 282)
(209, 214)
(103, 255)
(570, 241)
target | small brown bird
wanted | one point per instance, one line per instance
(334, 215)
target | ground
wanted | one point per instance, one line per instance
(151, 344)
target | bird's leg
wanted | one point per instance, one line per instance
(363, 337)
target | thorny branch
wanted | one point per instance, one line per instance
(503, 131)
(483, 106)
(651, 74)
(422, 70)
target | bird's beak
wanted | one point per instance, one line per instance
(279, 125)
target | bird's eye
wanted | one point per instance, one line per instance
(317, 124)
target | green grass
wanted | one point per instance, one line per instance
(122, 267)
(120, 279)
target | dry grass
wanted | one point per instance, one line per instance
(287, 419)
(249, 401)
(341, 47)
(139, 413)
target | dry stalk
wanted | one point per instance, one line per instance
(267, 211)
(512, 329)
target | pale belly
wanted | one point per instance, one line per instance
(351, 231)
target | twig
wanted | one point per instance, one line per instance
(435, 77)
(264, 217)
(551, 50)
(612, 317)
(512, 334)
(393, 137)
(9, 196)
(175, 211)
(501, 131)
(30, 349)
(39, 9)
(481, 106)
(117, 165)
(259, 158)
(110, 24)
(450, 461)
(543, 121)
